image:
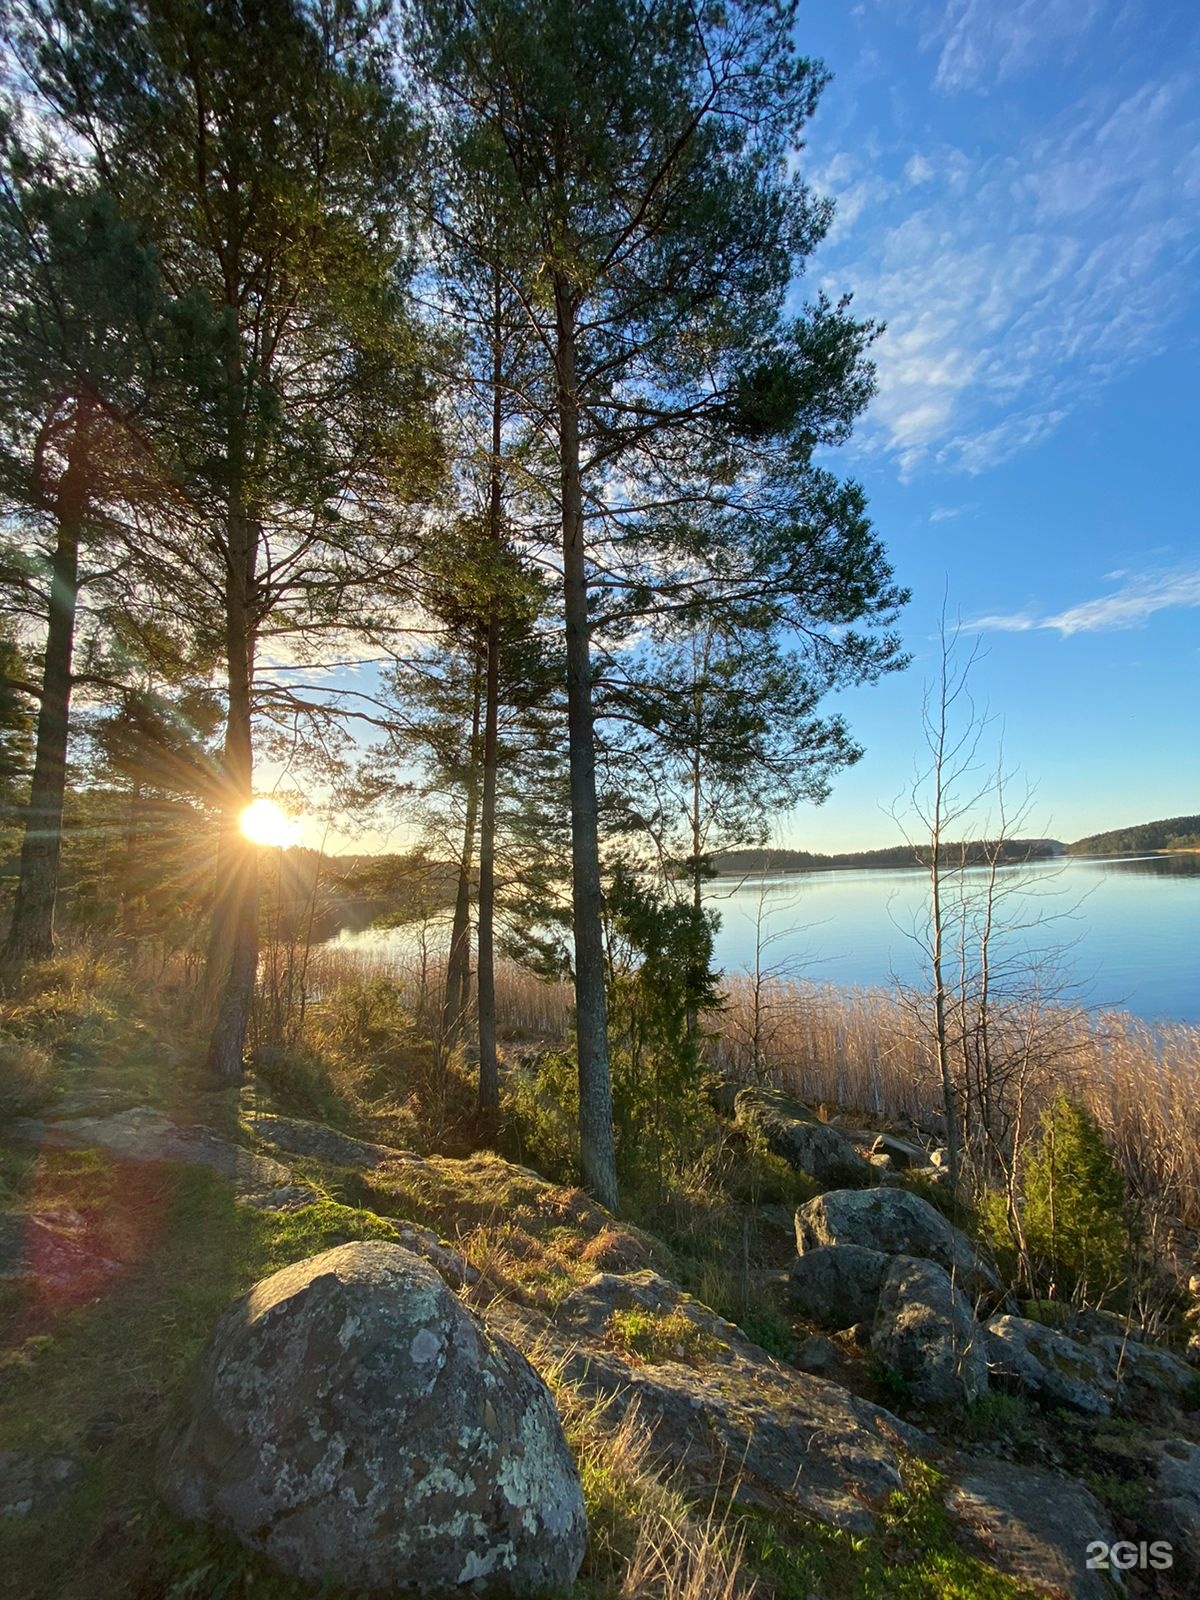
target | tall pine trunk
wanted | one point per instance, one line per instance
(489, 1069)
(458, 963)
(597, 1152)
(31, 933)
(233, 947)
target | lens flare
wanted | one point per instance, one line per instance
(267, 824)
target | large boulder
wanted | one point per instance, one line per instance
(836, 1286)
(791, 1131)
(898, 1223)
(1034, 1525)
(1054, 1369)
(924, 1331)
(356, 1424)
(1146, 1376)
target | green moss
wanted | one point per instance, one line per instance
(912, 1555)
(648, 1337)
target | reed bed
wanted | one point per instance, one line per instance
(868, 1050)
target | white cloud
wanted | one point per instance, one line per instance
(1133, 603)
(981, 42)
(1016, 284)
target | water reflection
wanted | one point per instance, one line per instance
(1123, 931)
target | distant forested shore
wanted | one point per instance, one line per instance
(975, 852)
(1170, 833)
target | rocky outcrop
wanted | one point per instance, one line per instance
(925, 1333)
(355, 1423)
(1145, 1375)
(1054, 1369)
(314, 1139)
(1176, 1509)
(729, 1413)
(836, 1286)
(144, 1134)
(1034, 1525)
(791, 1131)
(56, 1251)
(897, 1223)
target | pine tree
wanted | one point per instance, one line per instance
(267, 153)
(624, 167)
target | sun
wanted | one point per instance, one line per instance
(267, 824)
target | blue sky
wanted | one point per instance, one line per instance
(1018, 189)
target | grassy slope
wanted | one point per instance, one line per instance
(99, 1380)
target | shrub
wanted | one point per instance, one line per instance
(540, 1123)
(1075, 1210)
(26, 1077)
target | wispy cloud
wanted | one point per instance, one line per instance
(980, 42)
(1134, 602)
(1016, 282)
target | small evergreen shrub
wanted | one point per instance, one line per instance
(1075, 1210)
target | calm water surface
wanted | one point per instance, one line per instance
(1131, 925)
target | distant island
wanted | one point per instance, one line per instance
(737, 863)
(1171, 833)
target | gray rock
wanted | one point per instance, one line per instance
(925, 1332)
(1034, 1525)
(289, 1197)
(816, 1355)
(797, 1440)
(32, 1485)
(144, 1134)
(355, 1423)
(1176, 1511)
(54, 1251)
(903, 1153)
(838, 1285)
(791, 1131)
(1144, 1374)
(455, 1269)
(1054, 1369)
(313, 1139)
(898, 1223)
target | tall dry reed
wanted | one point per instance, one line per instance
(868, 1050)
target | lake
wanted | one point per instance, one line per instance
(1131, 926)
(1127, 929)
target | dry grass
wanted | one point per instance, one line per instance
(867, 1050)
(648, 1540)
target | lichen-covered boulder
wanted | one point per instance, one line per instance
(925, 1333)
(1054, 1369)
(898, 1223)
(838, 1285)
(791, 1131)
(356, 1424)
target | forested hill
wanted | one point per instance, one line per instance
(1171, 833)
(740, 863)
